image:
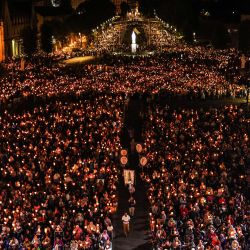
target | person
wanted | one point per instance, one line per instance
(58, 244)
(132, 204)
(132, 146)
(104, 238)
(110, 230)
(125, 221)
(131, 188)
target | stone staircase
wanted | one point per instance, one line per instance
(109, 38)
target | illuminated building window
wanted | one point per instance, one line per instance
(17, 47)
(13, 47)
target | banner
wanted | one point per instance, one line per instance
(129, 176)
(137, 31)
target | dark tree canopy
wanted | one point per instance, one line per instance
(124, 8)
(58, 28)
(146, 7)
(95, 12)
(29, 40)
(180, 13)
(220, 37)
(244, 36)
(75, 23)
(46, 38)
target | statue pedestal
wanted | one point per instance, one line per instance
(133, 47)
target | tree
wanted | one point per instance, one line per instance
(188, 33)
(180, 13)
(124, 8)
(244, 36)
(96, 12)
(220, 37)
(46, 38)
(146, 7)
(29, 40)
(75, 23)
(58, 28)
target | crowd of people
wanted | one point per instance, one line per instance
(183, 72)
(60, 164)
(196, 177)
(59, 174)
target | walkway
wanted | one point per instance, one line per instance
(138, 237)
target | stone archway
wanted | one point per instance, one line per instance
(141, 38)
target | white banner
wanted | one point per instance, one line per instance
(129, 176)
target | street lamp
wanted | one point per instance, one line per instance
(80, 35)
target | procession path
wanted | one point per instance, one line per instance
(139, 228)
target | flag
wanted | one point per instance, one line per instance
(137, 31)
(22, 64)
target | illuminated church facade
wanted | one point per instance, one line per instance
(15, 16)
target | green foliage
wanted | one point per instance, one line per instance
(244, 36)
(29, 40)
(46, 38)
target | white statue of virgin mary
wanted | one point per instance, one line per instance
(133, 38)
